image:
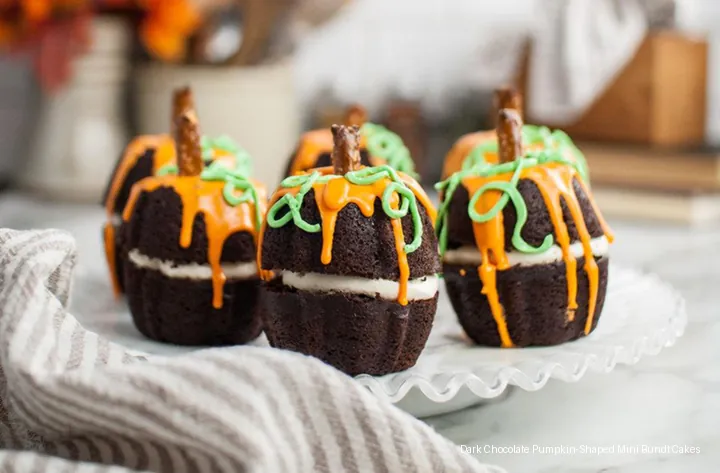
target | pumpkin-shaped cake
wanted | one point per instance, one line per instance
(349, 261)
(378, 146)
(524, 248)
(189, 250)
(482, 146)
(150, 155)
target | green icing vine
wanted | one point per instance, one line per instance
(387, 145)
(294, 202)
(363, 177)
(509, 192)
(234, 182)
(168, 170)
(243, 161)
(554, 140)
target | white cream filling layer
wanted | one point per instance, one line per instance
(192, 270)
(470, 254)
(417, 289)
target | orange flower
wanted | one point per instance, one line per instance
(181, 15)
(36, 11)
(162, 43)
(164, 30)
(167, 26)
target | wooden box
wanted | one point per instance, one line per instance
(659, 99)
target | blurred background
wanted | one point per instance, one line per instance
(636, 83)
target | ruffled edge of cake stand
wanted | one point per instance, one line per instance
(576, 359)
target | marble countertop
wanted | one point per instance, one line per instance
(655, 409)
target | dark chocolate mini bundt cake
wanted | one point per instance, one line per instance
(350, 263)
(152, 155)
(189, 250)
(524, 249)
(378, 146)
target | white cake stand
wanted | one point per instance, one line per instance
(642, 315)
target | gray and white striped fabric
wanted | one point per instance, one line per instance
(70, 400)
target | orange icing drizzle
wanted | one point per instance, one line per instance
(221, 220)
(315, 143)
(333, 196)
(555, 182)
(164, 154)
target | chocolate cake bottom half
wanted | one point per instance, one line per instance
(174, 303)
(358, 332)
(534, 299)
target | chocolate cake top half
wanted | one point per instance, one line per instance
(200, 223)
(352, 227)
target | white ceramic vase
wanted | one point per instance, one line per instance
(81, 130)
(255, 105)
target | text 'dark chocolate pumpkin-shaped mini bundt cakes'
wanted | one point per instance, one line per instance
(349, 261)
(482, 146)
(378, 146)
(524, 248)
(190, 239)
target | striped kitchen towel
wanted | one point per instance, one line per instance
(69, 398)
